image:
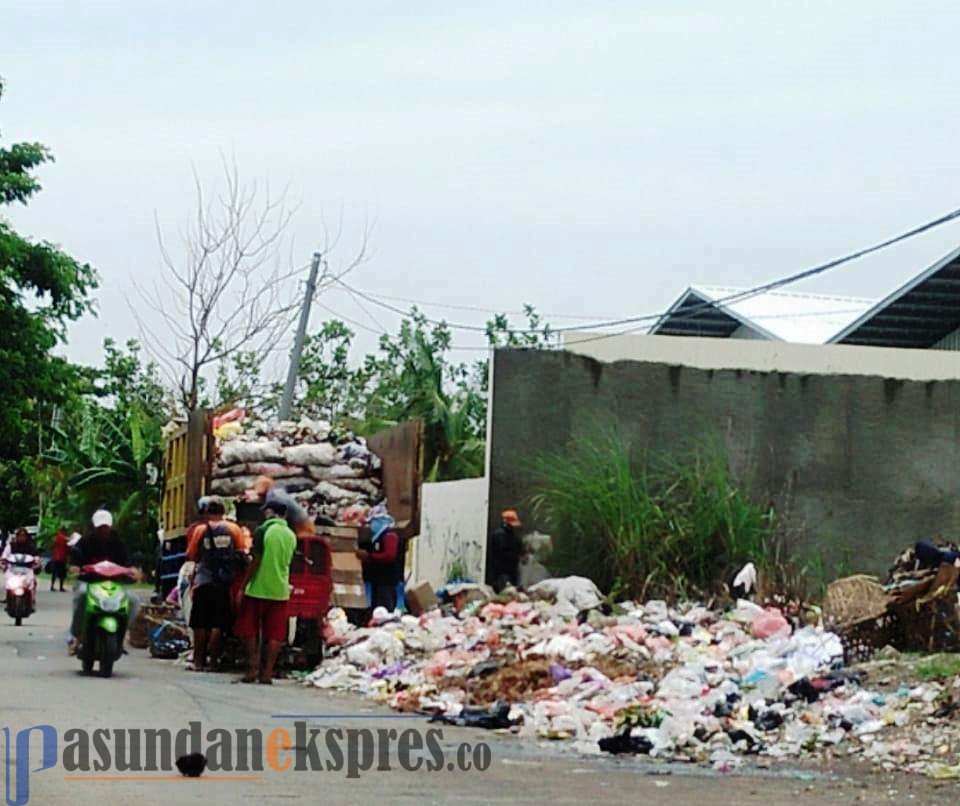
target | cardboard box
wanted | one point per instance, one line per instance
(421, 599)
(347, 575)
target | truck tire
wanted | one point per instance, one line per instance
(108, 653)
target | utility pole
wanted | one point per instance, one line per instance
(287, 400)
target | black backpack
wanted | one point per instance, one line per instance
(218, 554)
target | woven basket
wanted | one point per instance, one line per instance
(856, 608)
(854, 599)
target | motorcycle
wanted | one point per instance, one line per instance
(106, 613)
(20, 585)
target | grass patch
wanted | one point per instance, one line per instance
(939, 667)
(670, 526)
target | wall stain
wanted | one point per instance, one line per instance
(890, 388)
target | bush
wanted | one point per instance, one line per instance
(673, 526)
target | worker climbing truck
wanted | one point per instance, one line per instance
(333, 475)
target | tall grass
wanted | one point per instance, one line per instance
(664, 526)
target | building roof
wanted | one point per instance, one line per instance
(776, 315)
(919, 314)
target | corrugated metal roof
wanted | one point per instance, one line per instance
(776, 315)
(918, 314)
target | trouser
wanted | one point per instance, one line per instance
(58, 570)
(79, 600)
(384, 595)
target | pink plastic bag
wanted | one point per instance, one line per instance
(770, 624)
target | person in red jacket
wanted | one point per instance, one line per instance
(383, 563)
(58, 559)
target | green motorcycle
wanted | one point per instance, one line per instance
(106, 614)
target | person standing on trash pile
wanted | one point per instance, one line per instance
(262, 609)
(503, 552)
(383, 563)
(215, 549)
(101, 544)
(298, 519)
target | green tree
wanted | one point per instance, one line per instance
(413, 375)
(42, 289)
(107, 449)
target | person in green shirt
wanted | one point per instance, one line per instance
(262, 613)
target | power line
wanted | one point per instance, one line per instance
(475, 308)
(368, 329)
(694, 309)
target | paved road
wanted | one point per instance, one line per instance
(41, 685)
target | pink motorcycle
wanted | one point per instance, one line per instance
(20, 585)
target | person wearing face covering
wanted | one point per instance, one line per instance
(383, 562)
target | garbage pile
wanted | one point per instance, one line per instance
(916, 609)
(332, 474)
(684, 683)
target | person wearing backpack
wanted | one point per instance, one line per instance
(215, 547)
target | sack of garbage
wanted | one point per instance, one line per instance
(322, 453)
(237, 452)
(331, 492)
(231, 486)
(572, 594)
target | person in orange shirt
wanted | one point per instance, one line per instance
(215, 547)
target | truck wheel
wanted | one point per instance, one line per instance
(108, 653)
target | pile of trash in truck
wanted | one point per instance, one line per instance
(333, 474)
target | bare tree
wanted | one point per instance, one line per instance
(229, 290)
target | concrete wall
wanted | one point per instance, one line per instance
(452, 528)
(769, 356)
(867, 464)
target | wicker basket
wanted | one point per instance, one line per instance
(854, 599)
(856, 608)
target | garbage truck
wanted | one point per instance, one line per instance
(325, 569)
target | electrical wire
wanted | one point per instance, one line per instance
(695, 309)
(375, 332)
(475, 308)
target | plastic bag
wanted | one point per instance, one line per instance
(572, 594)
(770, 624)
(228, 431)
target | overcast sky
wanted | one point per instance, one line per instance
(593, 159)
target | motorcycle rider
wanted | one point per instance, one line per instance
(103, 543)
(20, 543)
